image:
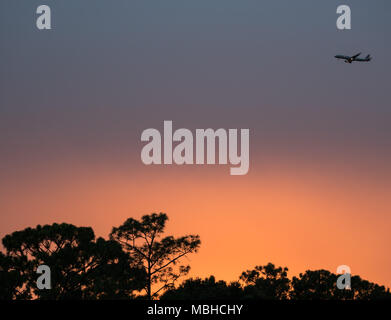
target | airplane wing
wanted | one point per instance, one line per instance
(356, 55)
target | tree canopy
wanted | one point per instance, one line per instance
(81, 267)
(204, 289)
(266, 282)
(159, 255)
(321, 285)
(272, 283)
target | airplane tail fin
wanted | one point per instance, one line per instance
(368, 57)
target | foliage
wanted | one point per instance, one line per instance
(266, 282)
(207, 289)
(159, 256)
(81, 268)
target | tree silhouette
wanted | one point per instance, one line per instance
(207, 289)
(365, 290)
(12, 278)
(321, 285)
(160, 256)
(317, 284)
(269, 282)
(81, 268)
(266, 282)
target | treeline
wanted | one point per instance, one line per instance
(139, 262)
(271, 283)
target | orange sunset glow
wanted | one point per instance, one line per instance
(315, 216)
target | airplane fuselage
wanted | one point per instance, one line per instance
(350, 59)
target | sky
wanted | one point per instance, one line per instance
(74, 101)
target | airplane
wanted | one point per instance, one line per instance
(354, 58)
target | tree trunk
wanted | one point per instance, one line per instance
(149, 279)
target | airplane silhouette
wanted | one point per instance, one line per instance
(354, 58)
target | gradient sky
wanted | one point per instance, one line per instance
(74, 101)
